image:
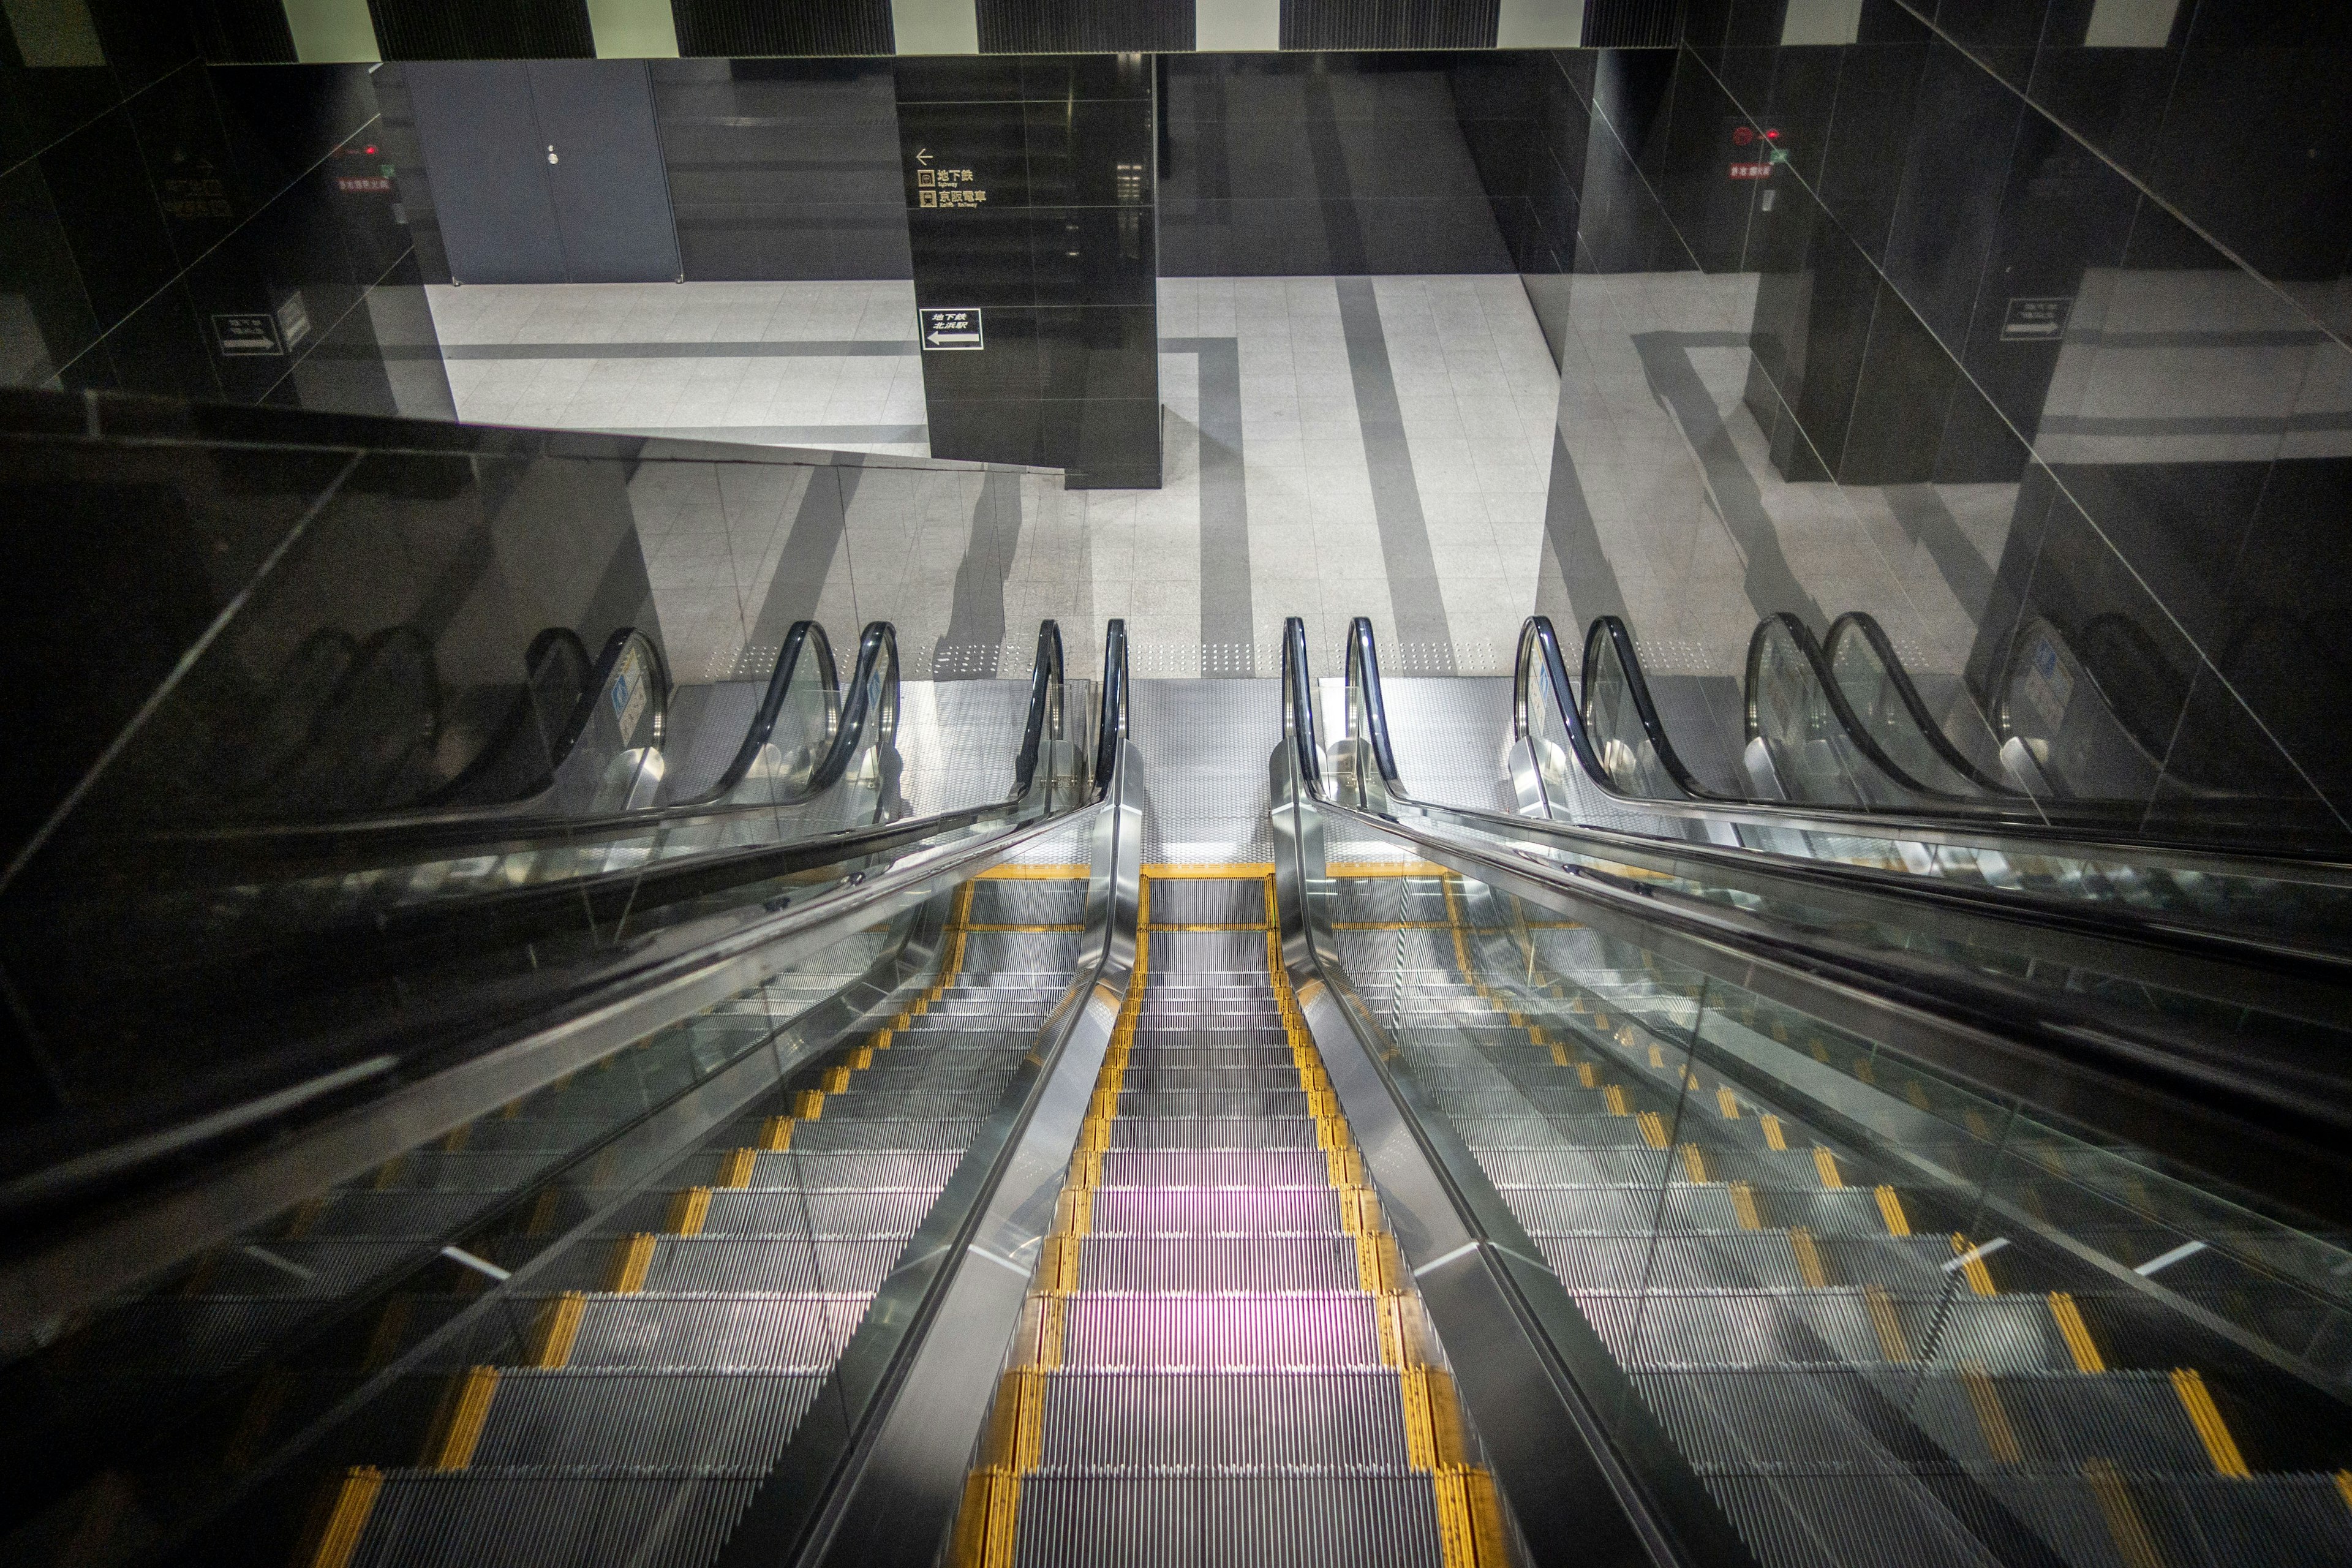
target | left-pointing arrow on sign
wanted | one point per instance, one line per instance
(923, 157)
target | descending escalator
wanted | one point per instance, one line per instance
(1868, 1275)
(194, 1343)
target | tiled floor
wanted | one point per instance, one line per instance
(1335, 446)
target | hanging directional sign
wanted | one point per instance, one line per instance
(943, 330)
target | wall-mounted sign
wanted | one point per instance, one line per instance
(943, 187)
(943, 330)
(1751, 171)
(2034, 319)
(243, 334)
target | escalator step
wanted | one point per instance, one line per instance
(774, 1332)
(1313, 1264)
(611, 1417)
(1147, 1421)
(538, 1521)
(1266, 1520)
(1334, 1329)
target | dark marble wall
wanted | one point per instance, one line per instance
(1060, 257)
(1314, 164)
(784, 168)
(214, 232)
(1998, 251)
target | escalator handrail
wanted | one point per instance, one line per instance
(1968, 829)
(1113, 724)
(802, 639)
(1781, 873)
(1849, 722)
(1864, 624)
(1045, 680)
(522, 712)
(1611, 631)
(1540, 647)
(495, 830)
(616, 647)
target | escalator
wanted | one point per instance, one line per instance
(1858, 1293)
(1195, 1160)
(188, 1319)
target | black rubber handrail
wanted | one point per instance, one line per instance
(871, 691)
(1864, 624)
(1114, 719)
(1046, 709)
(2051, 826)
(802, 640)
(1609, 633)
(1857, 733)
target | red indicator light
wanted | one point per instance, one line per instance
(1769, 136)
(1741, 136)
(372, 150)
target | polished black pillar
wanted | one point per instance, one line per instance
(1031, 212)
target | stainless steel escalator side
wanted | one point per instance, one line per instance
(1876, 1303)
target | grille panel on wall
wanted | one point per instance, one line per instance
(712, 28)
(1082, 26)
(469, 30)
(1632, 24)
(1390, 24)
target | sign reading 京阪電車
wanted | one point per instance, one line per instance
(951, 329)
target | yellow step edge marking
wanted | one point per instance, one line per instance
(1890, 1209)
(687, 1211)
(1589, 1074)
(1613, 1097)
(1887, 1325)
(1979, 1278)
(1419, 1440)
(1727, 1102)
(1695, 1162)
(2343, 1486)
(777, 1134)
(2206, 1416)
(1992, 1417)
(1654, 1131)
(1809, 1258)
(345, 1519)
(808, 1105)
(1018, 871)
(631, 1261)
(1826, 1165)
(1657, 1055)
(2076, 1332)
(736, 1168)
(2129, 1532)
(1773, 1137)
(464, 1410)
(557, 1328)
(1743, 1204)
